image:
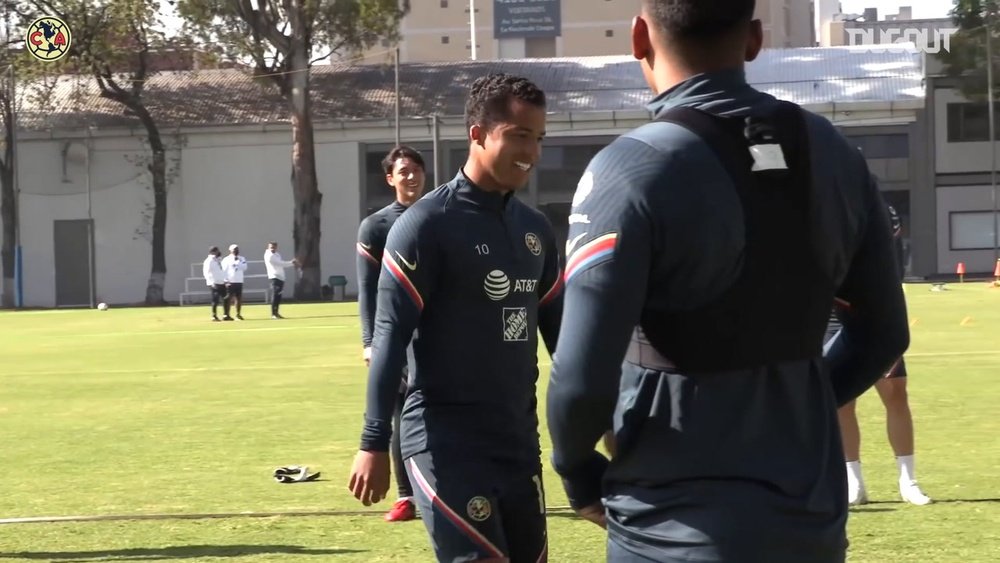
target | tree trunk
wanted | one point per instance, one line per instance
(8, 213)
(307, 197)
(8, 208)
(158, 169)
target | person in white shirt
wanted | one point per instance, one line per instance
(276, 275)
(215, 278)
(233, 267)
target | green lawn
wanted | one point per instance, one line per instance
(151, 411)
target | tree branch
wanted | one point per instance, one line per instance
(44, 5)
(140, 74)
(262, 25)
(332, 50)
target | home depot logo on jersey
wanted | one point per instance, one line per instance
(515, 324)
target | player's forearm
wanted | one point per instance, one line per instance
(388, 359)
(577, 420)
(872, 311)
(863, 352)
(367, 299)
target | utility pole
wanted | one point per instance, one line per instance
(472, 26)
(396, 65)
(992, 131)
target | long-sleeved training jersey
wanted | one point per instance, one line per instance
(742, 464)
(476, 274)
(372, 234)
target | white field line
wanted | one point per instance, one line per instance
(112, 517)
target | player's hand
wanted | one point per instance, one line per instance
(595, 514)
(366, 355)
(370, 477)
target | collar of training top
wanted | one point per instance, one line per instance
(469, 191)
(724, 91)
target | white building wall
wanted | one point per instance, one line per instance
(233, 185)
(230, 187)
(47, 195)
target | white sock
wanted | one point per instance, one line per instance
(907, 474)
(854, 479)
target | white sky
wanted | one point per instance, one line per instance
(921, 8)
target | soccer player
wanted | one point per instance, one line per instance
(234, 266)
(708, 250)
(215, 278)
(275, 266)
(405, 172)
(899, 421)
(477, 273)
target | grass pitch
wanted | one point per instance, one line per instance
(150, 411)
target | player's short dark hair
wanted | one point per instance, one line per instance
(213, 249)
(699, 20)
(490, 96)
(399, 152)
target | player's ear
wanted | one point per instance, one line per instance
(641, 42)
(388, 179)
(477, 134)
(755, 42)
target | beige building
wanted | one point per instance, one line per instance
(441, 30)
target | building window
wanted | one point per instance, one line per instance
(445, 40)
(971, 230)
(969, 122)
(882, 146)
(609, 33)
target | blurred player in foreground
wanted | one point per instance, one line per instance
(707, 251)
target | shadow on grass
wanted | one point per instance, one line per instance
(173, 552)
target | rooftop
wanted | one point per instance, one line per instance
(358, 92)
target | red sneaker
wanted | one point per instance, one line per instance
(402, 511)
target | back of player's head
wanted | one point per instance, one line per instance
(214, 250)
(402, 151)
(699, 21)
(490, 97)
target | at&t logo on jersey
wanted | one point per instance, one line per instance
(498, 286)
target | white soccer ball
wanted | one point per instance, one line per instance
(102, 306)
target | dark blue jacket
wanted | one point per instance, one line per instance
(743, 465)
(372, 234)
(477, 275)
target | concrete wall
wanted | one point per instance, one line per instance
(231, 187)
(962, 180)
(956, 199)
